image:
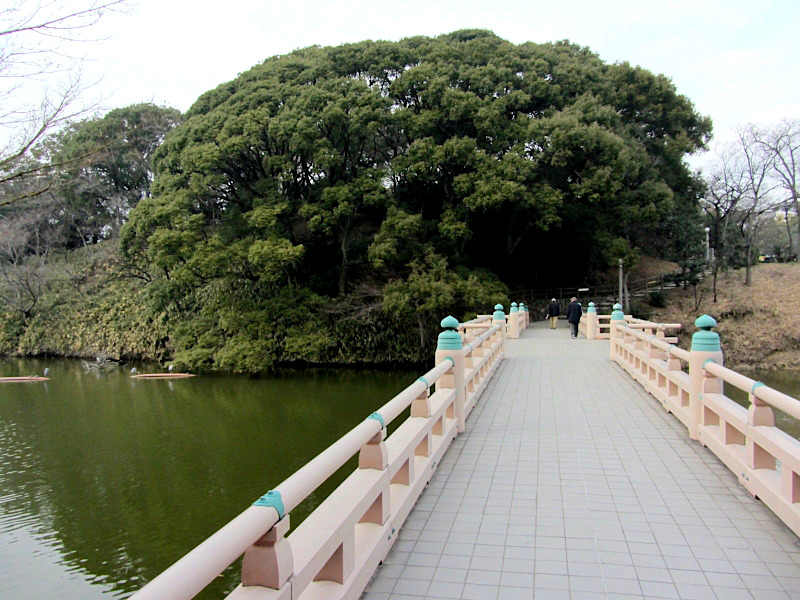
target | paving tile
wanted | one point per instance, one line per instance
(411, 587)
(695, 592)
(553, 582)
(483, 577)
(658, 589)
(514, 593)
(479, 592)
(450, 575)
(425, 573)
(512, 579)
(381, 584)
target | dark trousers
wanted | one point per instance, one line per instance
(573, 327)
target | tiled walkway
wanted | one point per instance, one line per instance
(572, 483)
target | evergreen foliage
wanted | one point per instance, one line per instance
(332, 204)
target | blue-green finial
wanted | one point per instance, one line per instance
(591, 308)
(272, 499)
(498, 315)
(450, 339)
(705, 322)
(449, 322)
(617, 314)
(705, 340)
(514, 307)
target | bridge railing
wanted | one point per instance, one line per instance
(595, 326)
(517, 320)
(333, 553)
(764, 458)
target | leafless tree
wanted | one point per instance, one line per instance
(41, 58)
(782, 142)
(758, 199)
(22, 273)
(727, 186)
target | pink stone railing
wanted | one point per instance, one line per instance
(333, 553)
(764, 458)
(598, 327)
(516, 323)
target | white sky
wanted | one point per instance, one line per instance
(736, 60)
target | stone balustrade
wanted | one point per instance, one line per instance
(764, 458)
(333, 553)
(517, 320)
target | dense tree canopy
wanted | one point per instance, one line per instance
(400, 180)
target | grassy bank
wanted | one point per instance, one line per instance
(90, 305)
(759, 324)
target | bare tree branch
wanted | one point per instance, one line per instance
(35, 60)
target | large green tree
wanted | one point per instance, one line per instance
(107, 168)
(366, 171)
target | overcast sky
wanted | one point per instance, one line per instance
(736, 60)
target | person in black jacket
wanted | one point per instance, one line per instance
(553, 312)
(574, 313)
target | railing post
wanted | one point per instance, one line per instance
(450, 347)
(617, 316)
(270, 562)
(513, 322)
(705, 346)
(523, 309)
(591, 322)
(499, 320)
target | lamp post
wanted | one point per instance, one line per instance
(620, 282)
(708, 248)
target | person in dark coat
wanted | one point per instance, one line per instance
(553, 312)
(574, 313)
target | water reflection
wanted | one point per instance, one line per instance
(106, 480)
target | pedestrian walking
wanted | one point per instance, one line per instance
(552, 313)
(574, 312)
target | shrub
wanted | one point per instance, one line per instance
(657, 300)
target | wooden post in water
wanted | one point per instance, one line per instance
(705, 347)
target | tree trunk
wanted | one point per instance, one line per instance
(714, 283)
(748, 266)
(796, 202)
(789, 230)
(627, 294)
(343, 246)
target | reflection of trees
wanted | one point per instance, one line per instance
(131, 475)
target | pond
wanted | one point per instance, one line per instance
(106, 480)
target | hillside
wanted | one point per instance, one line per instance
(759, 325)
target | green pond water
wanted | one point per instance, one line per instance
(105, 480)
